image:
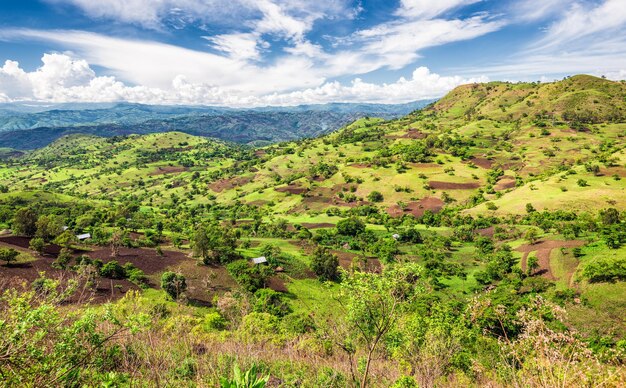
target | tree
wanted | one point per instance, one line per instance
(8, 254)
(271, 302)
(375, 196)
(173, 284)
(49, 227)
(375, 302)
(532, 264)
(350, 227)
(37, 244)
(25, 222)
(112, 270)
(610, 216)
(531, 235)
(214, 244)
(66, 239)
(530, 208)
(325, 264)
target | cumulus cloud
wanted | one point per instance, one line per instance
(62, 78)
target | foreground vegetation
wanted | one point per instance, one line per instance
(480, 241)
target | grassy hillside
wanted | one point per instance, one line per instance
(495, 217)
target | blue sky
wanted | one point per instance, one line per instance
(286, 52)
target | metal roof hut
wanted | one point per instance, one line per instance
(259, 260)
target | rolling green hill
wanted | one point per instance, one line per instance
(494, 217)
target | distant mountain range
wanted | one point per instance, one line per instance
(34, 125)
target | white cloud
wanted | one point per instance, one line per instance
(585, 38)
(426, 9)
(62, 78)
(240, 46)
(584, 21)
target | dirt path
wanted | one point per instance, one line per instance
(543, 251)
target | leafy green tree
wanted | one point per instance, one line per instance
(173, 284)
(325, 264)
(25, 222)
(375, 196)
(8, 255)
(66, 239)
(532, 264)
(112, 270)
(350, 227)
(374, 303)
(610, 216)
(214, 244)
(531, 235)
(37, 244)
(271, 302)
(49, 227)
(530, 208)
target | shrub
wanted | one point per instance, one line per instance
(375, 196)
(173, 284)
(271, 302)
(325, 264)
(112, 270)
(350, 227)
(608, 270)
(37, 244)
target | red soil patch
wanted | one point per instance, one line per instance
(418, 208)
(423, 165)
(277, 284)
(258, 203)
(610, 171)
(291, 189)
(505, 182)
(412, 133)
(436, 185)
(260, 153)
(544, 249)
(145, 259)
(227, 184)
(22, 275)
(51, 250)
(319, 225)
(347, 258)
(482, 162)
(360, 165)
(486, 232)
(169, 170)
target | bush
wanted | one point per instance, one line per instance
(112, 270)
(271, 302)
(608, 270)
(37, 244)
(213, 321)
(375, 196)
(350, 227)
(250, 278)
(325, 264)
(173, 284)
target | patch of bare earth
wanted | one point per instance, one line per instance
(543, 250)
(317, 225)
(482, 162)
(436, 185)
(418, 208)
(169, 170)
(229, 183)
(291, 189)
(504, 183)
(368, 264)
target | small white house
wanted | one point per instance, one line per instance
(83, 236)
(395, 236)
(259, 260)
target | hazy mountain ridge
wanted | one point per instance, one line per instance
(22, 130)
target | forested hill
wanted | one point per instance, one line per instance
(21, 129)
